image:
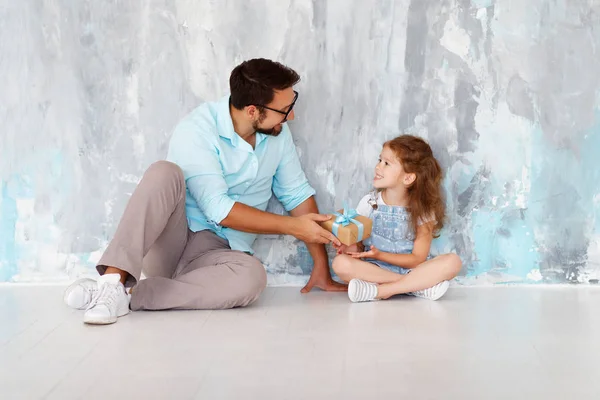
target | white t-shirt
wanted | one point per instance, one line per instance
(364, 208)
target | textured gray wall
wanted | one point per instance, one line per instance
(506, 92)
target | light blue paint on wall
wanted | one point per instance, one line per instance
(304, 259)
(18, 187)
(44, 183)
(518, 249)
(8, 219)
(443, 243)
(590, 173)
(463, 180)
(482, 3)
(502, 248)
(485, 226)
(563, 185)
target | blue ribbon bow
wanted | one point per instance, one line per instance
(344, 219)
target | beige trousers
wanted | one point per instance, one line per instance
(184, 269)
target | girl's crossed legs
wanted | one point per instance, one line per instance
(426, 275)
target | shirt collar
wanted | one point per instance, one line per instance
(225, 124)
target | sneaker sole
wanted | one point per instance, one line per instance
(93, 321)
(98, 321)
(352, 289)
(442, 290)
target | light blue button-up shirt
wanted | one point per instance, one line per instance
(221, 168)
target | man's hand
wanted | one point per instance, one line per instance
(344, 249)
(373, 252)
(307, 229)
(341, 249)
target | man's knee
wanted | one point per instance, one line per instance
(164, 171)
(252, 279)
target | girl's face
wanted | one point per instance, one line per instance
(389, 172)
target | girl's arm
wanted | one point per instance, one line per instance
(418, 256)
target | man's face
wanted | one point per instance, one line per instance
(271, 119)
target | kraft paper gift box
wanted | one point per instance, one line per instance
(348, 226)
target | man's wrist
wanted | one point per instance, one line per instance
(289, 225)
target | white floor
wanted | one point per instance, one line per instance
(475, 343)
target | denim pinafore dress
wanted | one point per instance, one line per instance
(392, 232)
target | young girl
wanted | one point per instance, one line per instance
(408, 211)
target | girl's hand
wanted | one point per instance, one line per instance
(372, 253)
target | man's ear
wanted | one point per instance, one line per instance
(252, 112)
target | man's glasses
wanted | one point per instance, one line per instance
(285, 113)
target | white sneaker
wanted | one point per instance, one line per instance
(432, 293)
(80, 293)
(111, 301)
(359, 290)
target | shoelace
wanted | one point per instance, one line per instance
(92, 290)
(104, 295)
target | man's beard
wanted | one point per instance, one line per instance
(271, 132)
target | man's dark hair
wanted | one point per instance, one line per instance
(253, 82)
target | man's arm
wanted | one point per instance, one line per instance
(302, 225)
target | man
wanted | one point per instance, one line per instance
(192, 220)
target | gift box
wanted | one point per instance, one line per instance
(348, 226)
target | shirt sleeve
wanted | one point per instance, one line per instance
(364, 208)
(290, 185)
(197, 155)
